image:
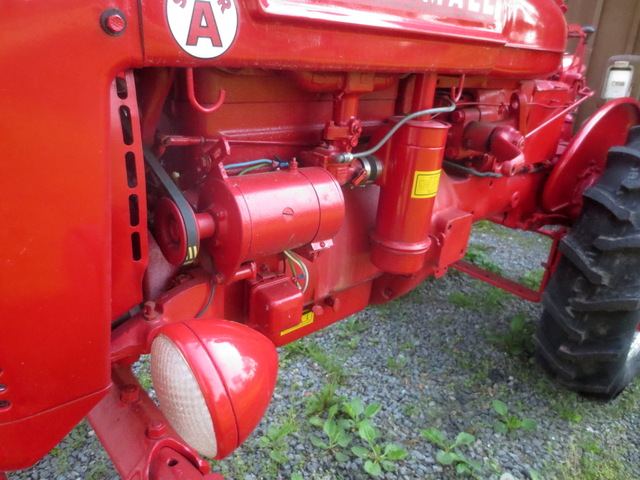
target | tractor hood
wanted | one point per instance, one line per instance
(515, 38)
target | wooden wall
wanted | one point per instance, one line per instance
(617, 24)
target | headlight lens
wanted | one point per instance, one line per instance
(180, 397)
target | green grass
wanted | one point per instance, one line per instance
(532, 278)
(485, 299)
(144, 372)
(98, 471)
(396, 363)
(235, 466)
(593, 459)
(477, 255)
(504, 234)
(626, 404)
(568, 406)
(323, 400)
(485, 226)
(519, 339)
(333, 364)
(351, 326)
(274, 440)
(73, 441)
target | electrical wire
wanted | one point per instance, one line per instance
(293, 272)
(250, 169)
(248, 164)
(471, 171)
(256, 164)
(305, 270)
(209, 300)
(476, 173)
(298, 261)
(211, 293)
(347, 156)
(292, 258)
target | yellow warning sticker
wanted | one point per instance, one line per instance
(307, 319)
(425, 184)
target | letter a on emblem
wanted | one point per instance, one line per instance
(203, 28)
(203, 25)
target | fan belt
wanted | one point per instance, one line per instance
(175, 195)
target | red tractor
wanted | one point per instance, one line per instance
(212, 179)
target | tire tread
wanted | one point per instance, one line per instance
(592, 303)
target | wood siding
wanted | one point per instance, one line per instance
(617, 25)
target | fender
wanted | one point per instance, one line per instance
(607, 128)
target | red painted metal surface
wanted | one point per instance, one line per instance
(275, 306)
(76, 252)
(128, 198)
(55, 243)
(186, 299)
(168, 465)
(524, 39)
(134, 431)
(584, 159)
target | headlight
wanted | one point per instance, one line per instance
(214, 380)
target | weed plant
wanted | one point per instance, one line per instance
(509, 423)
(518, 341)
(346, 418)
(450, 453)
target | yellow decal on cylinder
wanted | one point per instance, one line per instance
(425, 184)
(307, 319)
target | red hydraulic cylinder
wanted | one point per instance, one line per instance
(412, 172)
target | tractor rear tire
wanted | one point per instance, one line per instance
(588, 334)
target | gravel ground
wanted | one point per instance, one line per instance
(434, 359)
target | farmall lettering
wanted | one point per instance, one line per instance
(203, 28)
(488, 8)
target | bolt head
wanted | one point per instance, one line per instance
(113, 21)
(149, 310)
(129, 394)
(156, 430)
(334, 303)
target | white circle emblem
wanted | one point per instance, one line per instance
(203, 28)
